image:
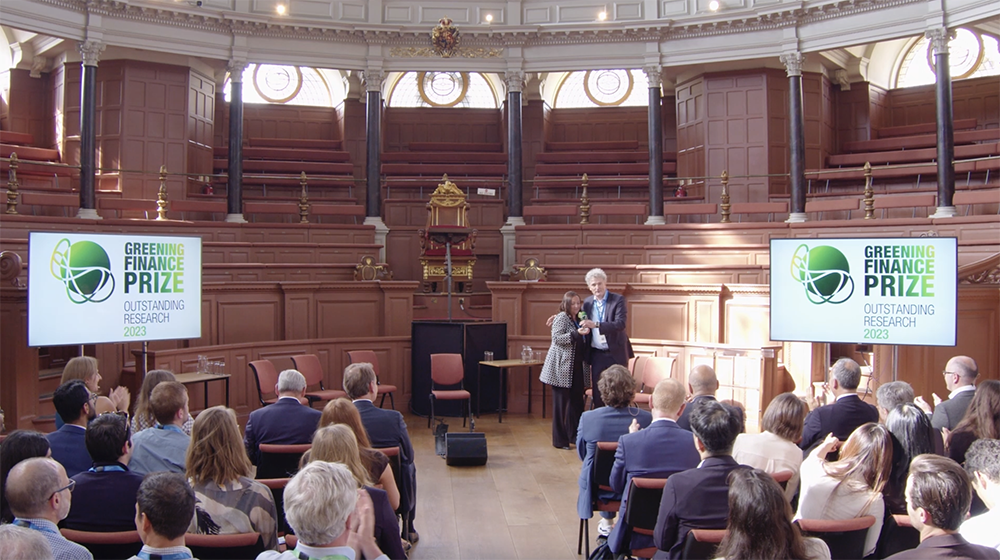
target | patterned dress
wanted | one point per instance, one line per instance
(240, 506)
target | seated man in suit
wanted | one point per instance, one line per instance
(703, 384)
(960, 374)
(845, 414)
(386, 428)
(74, 403)
(163, 448)
(104, 498)
(659, 451)
(938, 495)
(699, 498)
(286, 422)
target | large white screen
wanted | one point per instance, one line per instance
(882, 291)
(91, 288)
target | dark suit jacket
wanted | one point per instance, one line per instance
(286, 422)
(386, 428)
(840, 418)
(659, 451)
(69, 448)
(612, 325)
(950, 412)
(601, 424)
(694, 499)
(104, 501)
(685, 418)
(386, 525)
(947, 546)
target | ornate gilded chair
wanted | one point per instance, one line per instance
(447, 222)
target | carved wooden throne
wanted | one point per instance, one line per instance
(447, 221)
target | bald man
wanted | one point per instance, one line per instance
(39, 494)
(703, 384)
(960, 374)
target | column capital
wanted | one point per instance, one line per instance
(90, 51)
(514, 80)
(373, 79)
(793, 63)
(236, 68)
(939, 38)
(653, 75)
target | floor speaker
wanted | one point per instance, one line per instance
(465, 449)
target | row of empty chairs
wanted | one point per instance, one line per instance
(266, 377)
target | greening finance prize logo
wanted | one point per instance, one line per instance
(824, 273)
(84, 268)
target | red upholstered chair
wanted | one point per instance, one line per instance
(700, 544)
(279, 461)
(845, 537)
(600, 482)
(395, 463)
(277, 487)
(118, 544)
(266, 378)
(641, 509)
(309, 366)
(448, 370)
(384, 389)
(782, 478)
(224, 547)
(654, 369)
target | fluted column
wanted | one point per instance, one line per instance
(655, 147)
(234, 184)
(90, 53)
(515, 174)
(939, 39)
(796, 136)
(373, 79)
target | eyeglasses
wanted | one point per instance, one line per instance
(70, 486)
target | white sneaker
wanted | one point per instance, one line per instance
(605, 526)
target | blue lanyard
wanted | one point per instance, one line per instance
(599, 308)
(107, 468)
(170, 427)
(30, 525)
(146, 555)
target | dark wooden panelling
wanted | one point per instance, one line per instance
(29, 106)
(690, 98)
(603, 124)
(977, 98)
(853, 109)
(404, 125)
(201, 122)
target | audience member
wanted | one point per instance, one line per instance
(911, 433)
(16, 447)
(85, 369)
(163, 448)
(698, 498)
(659, 451)
(563, 370)
(760, 522)
(18, 543)
(894, 393)
(343, 411)
(73, 402)
(337, 444)
(960, 375)
(703, 384)
(775, 449)
(938, 495)
(607, 318)
(40, 495)
(227, 500)
(143, 417)
(982, 420)
(852, 486)
(386, 428)
(104, 497)
(982, 462)
(607, 423)
(845, 414)
(286, 422)
(331, 517)
(163, 510)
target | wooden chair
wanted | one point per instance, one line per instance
(280, 461)
(700, 544)
(277, 487)
(266, 377)
(224, 547)
(396, 464)
(309, 366)
(845, 537)
(386, 390)
(448, 370)
(641, 508)
(654, 370)
(118, 544)
(600, 481)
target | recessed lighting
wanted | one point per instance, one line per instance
(489, 18)
(601, 16)
(280, 8)
(714, 5)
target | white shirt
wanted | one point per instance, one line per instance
(961, 389)
(771, 454)
(982, 529)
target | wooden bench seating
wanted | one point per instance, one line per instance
(568, 211)
(439, 169)
(913, 201)
(923, 128)
(121, 205)
(601, 157)
(599, 211)
(920, 141)
(289, 167)
(69, 202)
(303, 143)
(286, 154)
(455, 147)
(821, 206)
(18, 138)
(896, 172)
(444, 157)
(619, 145)
(967, 151)
(598, 169)
(738, 209)
(29, 152)
(968, 198)
(690, 209)
(205, 206)
(290, 208)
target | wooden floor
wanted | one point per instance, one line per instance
(521, 504)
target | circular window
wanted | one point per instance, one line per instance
(277, 84)
(443, 89)
(608, 87)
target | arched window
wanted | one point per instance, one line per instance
(971, 55)
(603, 88)
(288, 85)
(443, 89)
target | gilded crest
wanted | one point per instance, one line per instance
(445, 38)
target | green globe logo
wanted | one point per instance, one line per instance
(85, 269)
(824, 273)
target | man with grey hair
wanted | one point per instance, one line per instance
(845, 414)
(40, 494)
(607, 317)
(890, 395)
(286, 422)
(960, 374)
(330, 516)
(18, 543)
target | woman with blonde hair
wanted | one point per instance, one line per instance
(337, 444)
(227, 500)
(85, 369)
(776, 448)
(343, 411)
(142, 416)
(851, 486)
